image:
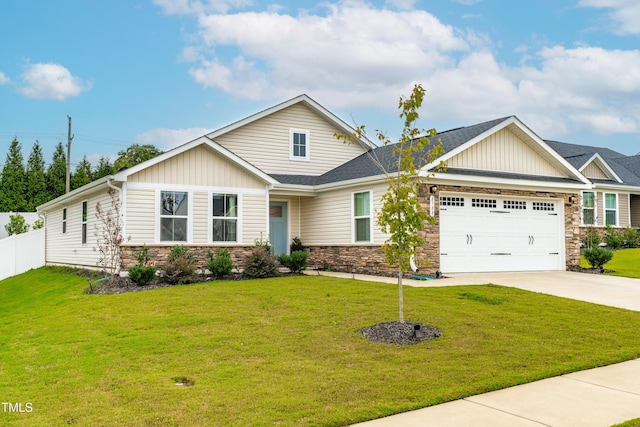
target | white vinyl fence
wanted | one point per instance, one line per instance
(21, 252)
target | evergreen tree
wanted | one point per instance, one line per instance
(12, 182)
(82, 174)
(36, 187)
(104, 168)
(57, 173)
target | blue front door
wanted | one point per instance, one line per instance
(278, 233)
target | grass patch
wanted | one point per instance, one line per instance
(280, 351)
(631, 423)
(625, 263)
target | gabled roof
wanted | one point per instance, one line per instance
(603, 165)
(203, 140)
(625, 170)
(515, 126)
(304, 99)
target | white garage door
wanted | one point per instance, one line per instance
(480, 233)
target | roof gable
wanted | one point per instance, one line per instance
(597, 167)
(505, 146)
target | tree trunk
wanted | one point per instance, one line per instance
(401, 302)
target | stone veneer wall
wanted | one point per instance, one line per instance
(158, 253)
(370, 258)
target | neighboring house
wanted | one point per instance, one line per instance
(509, 201)
(5, 218)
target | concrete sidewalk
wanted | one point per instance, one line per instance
(598, 397)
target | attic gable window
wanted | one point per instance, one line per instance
(299, 144)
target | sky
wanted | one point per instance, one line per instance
(164, 72)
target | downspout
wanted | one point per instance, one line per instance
(119, 191)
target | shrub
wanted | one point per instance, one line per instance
(296, 262)
(260, 263)
(180, 267)
(17, 225)
(631, 237)
(613, 238)
(220, 263)
(591, 238)
(144, 272)
(37, 224)
(296, 245)
(597, 256)
(142, 275)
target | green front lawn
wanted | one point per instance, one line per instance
(625, 262)
(279, 351)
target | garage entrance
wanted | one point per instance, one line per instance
(484, 233)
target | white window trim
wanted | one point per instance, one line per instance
(65, 216)
(211, 217)
(84, 227)
(604, 209)
(189, 217)
(354, 217)
(306, 132)
(595, 209)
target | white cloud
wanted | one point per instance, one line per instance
(352, 49)
(164, 138)
(401, 4)
(467, 2)
(358, 56)
(624, 16)
(51, 81)
(4, 79)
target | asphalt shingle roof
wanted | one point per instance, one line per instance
(626, 167)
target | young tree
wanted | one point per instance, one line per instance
(135, 154)
(36, 187)
(401, 214)
(104, 168)
(57, 173)
(108, 232)
(82, 174)
(12, 182)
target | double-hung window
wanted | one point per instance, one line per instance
(588, 208)
(85, 206)
(362, 216)
(298, 144)
(225, 217)
(174, 216)
(64, 220)
(610, 209)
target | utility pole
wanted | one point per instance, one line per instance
(69, 139)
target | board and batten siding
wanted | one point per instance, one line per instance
(327, 218)
(503, 152)
(265, 143)
(200, 166)
(67, 248)
(592, 170)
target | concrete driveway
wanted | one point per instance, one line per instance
(613, 291)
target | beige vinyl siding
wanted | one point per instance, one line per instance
(623, 210)
(200, 217)
(67, 248)
(140, 213)
(254, 218)
(265, 143)
(503, 152)
(327, 218)
(635, 210)
(600, 209)
(200, 166)
(592, 170)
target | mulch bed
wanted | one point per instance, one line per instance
(399, 333)
(579, 269)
